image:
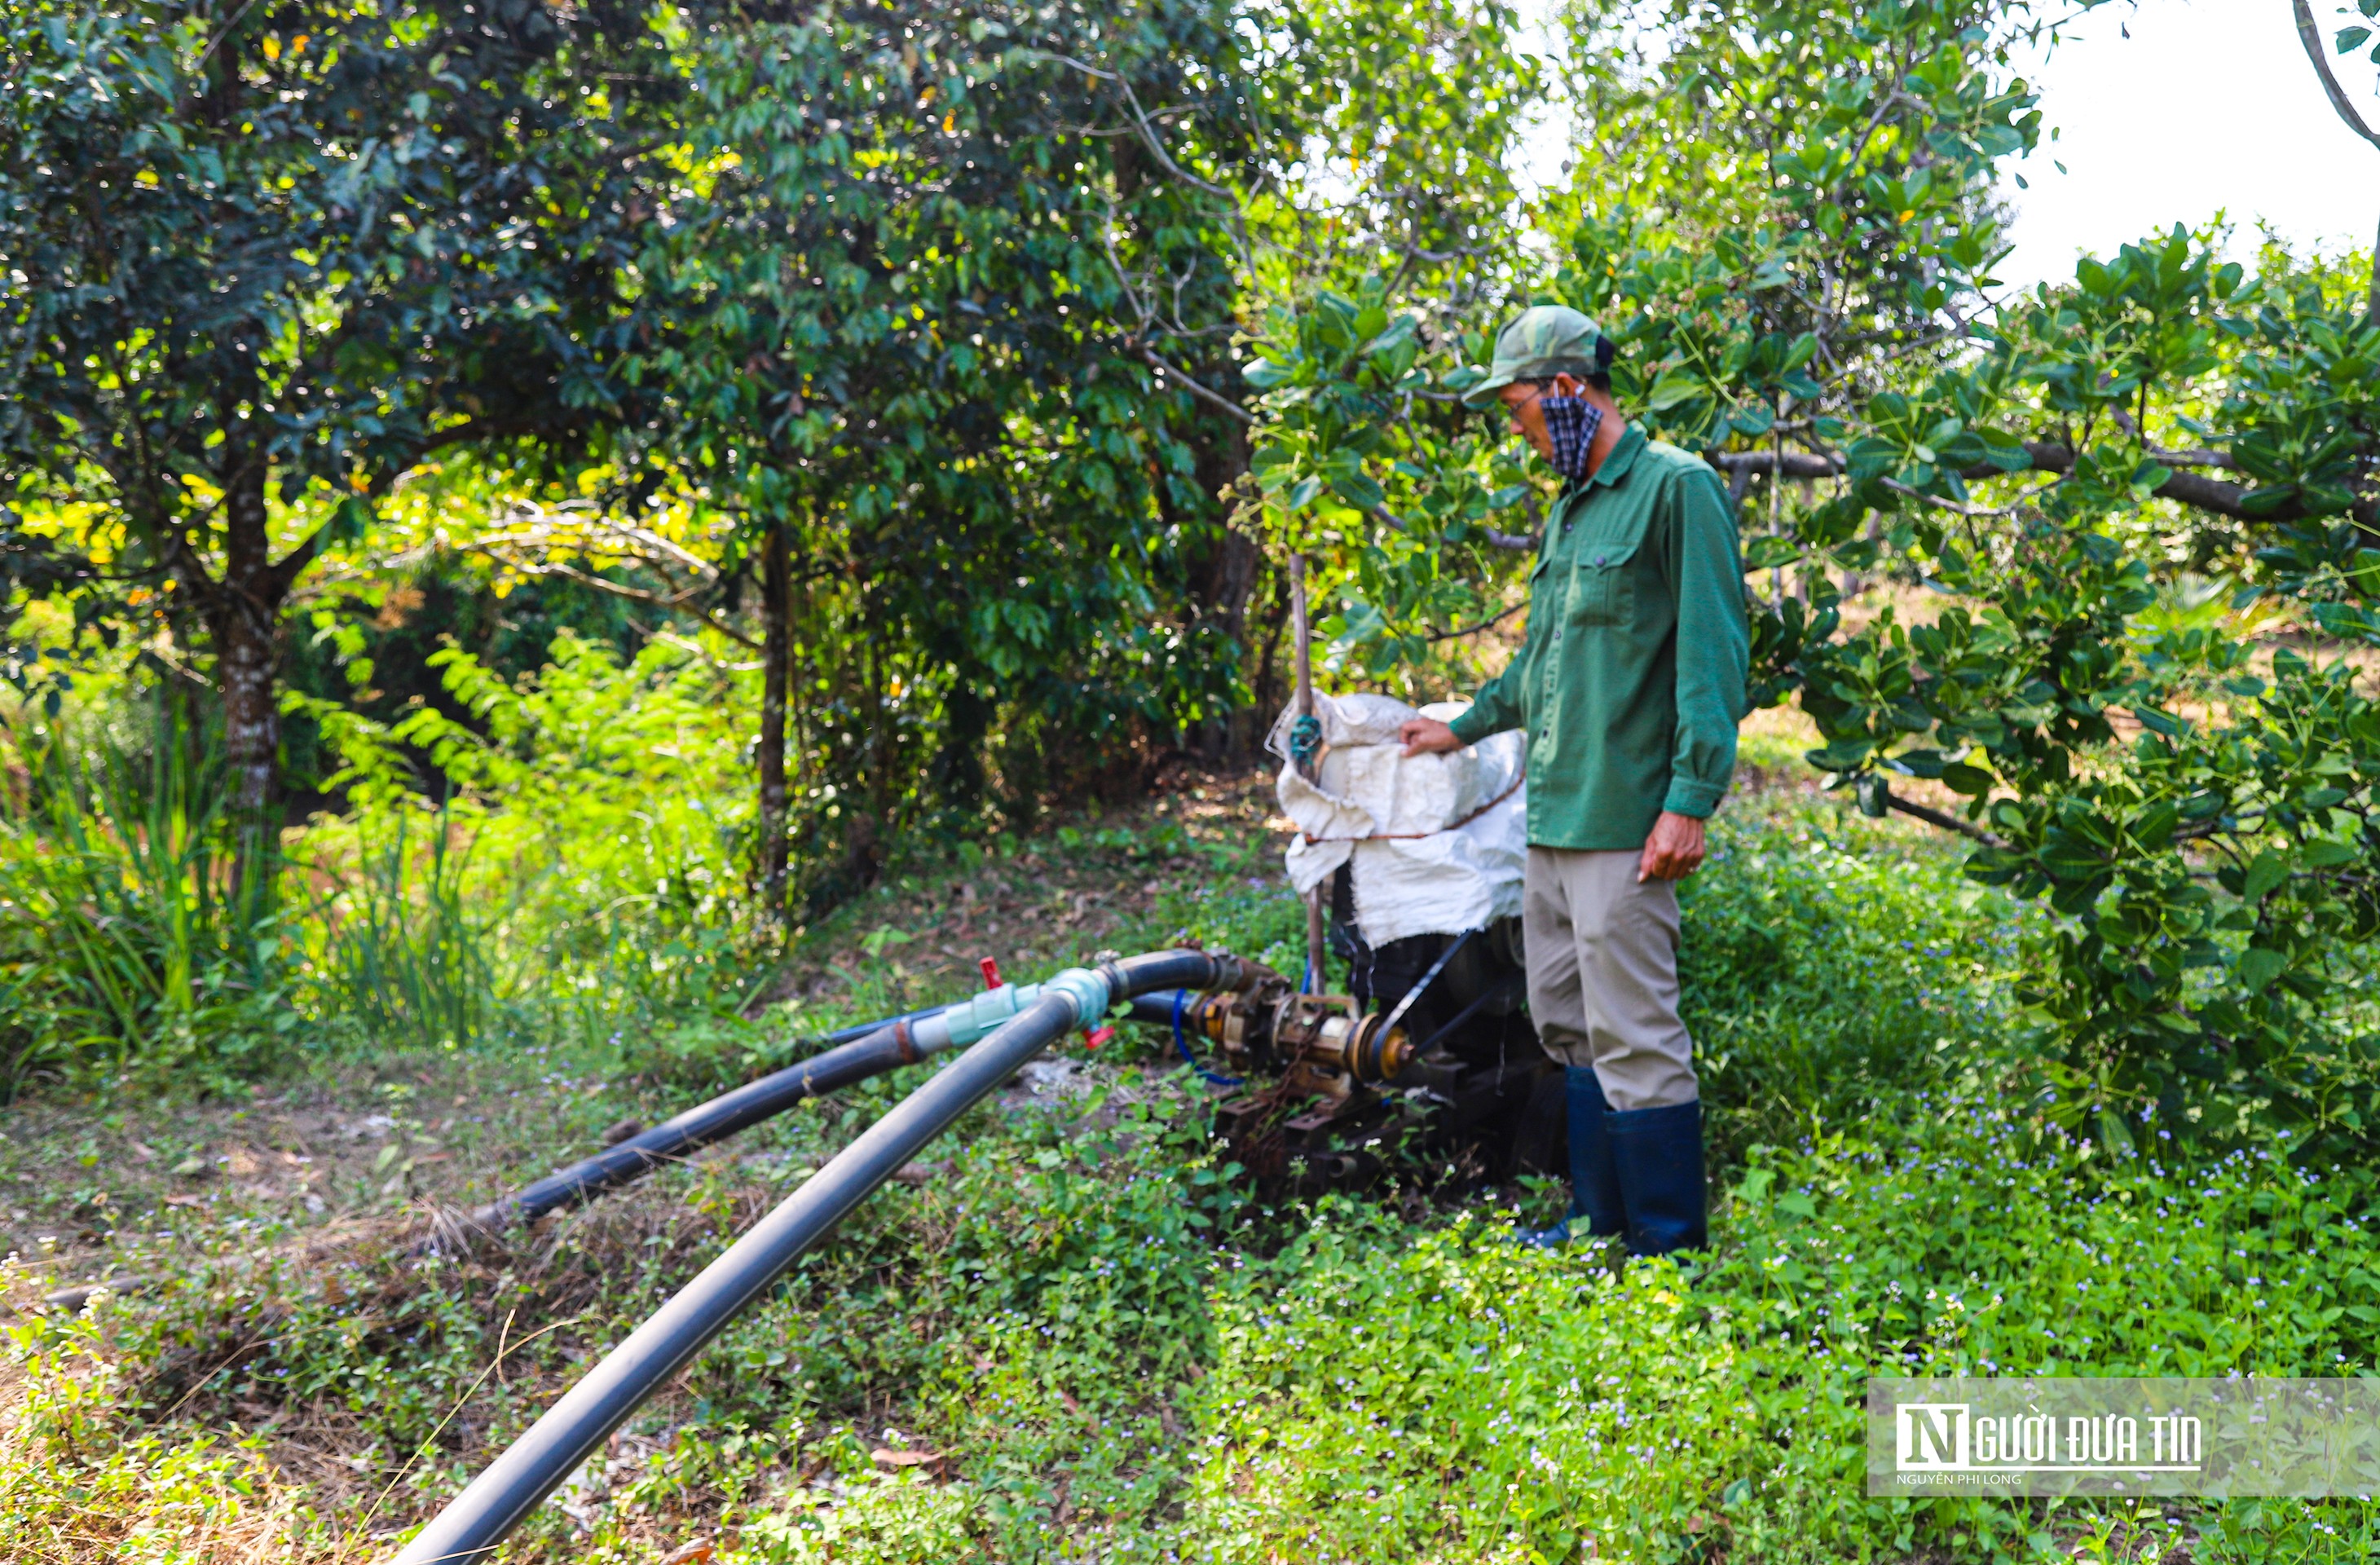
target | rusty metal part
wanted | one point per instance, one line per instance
(1322, 1041)
(1330, 1097)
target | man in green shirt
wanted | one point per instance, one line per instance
(1629, 685)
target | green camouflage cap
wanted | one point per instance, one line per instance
(1543, 341)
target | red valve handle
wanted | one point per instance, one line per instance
(991, 981)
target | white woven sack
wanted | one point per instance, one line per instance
(1437, 842)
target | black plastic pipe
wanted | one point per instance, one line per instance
(573, 1428)
(1155, 1007)
(858, 1030)
(869, 1049)
(887, 1046)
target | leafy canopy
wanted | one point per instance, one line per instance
(1786, 220)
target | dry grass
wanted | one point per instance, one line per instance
(331, 1203)
(148, 1429)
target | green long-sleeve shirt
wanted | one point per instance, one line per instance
(1630, 681)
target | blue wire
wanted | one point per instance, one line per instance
(1181, 998)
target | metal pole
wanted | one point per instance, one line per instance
(1316, 952)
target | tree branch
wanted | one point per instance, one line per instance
(1959, 508)
(677, 602)
(2194, 490)
(1140, 123)
(1522, 543)
(2311, 36)
(1490, 621)
(1946, 821)
(537, 543)
(1202, 392)
(1792, 464)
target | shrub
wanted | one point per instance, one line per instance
(133, 929)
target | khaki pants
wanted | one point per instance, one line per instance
(1603, 975)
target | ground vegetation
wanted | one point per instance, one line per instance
(556, 553)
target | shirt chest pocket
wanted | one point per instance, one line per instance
(1602, 579)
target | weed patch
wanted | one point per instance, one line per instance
(1068, 1333)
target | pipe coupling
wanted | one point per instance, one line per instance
(1090, 993)
(958, 1024)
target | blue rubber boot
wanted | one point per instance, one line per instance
(1658, 1155)
(1552, 1238)
(1594, 1181)
(1594, 1177)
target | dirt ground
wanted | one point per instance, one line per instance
(390, 1142)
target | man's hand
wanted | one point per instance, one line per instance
(1674, 850)
(1427, 736)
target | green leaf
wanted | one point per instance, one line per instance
(2351, 39)
(2259, 966)
(1972, 781)
(2365, 572)
(2070, 860)
(2004, 452)
(352, 521)
(2324, 852)
(1769, 551)
(1400, 331)
(2268, 871)
(1359, 491)
(1673, 388)
(1872, 791)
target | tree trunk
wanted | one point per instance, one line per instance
(775, 658)
(1268, 684)
(242, 613)
(866, 825)
(1223, 580)
(882, 752)
(244, 619)
(244, 660)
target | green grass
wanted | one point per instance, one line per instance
(1075, 1338)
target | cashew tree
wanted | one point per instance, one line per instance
(2103, 489)
(264, 259)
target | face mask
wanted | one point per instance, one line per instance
(1572, 422)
